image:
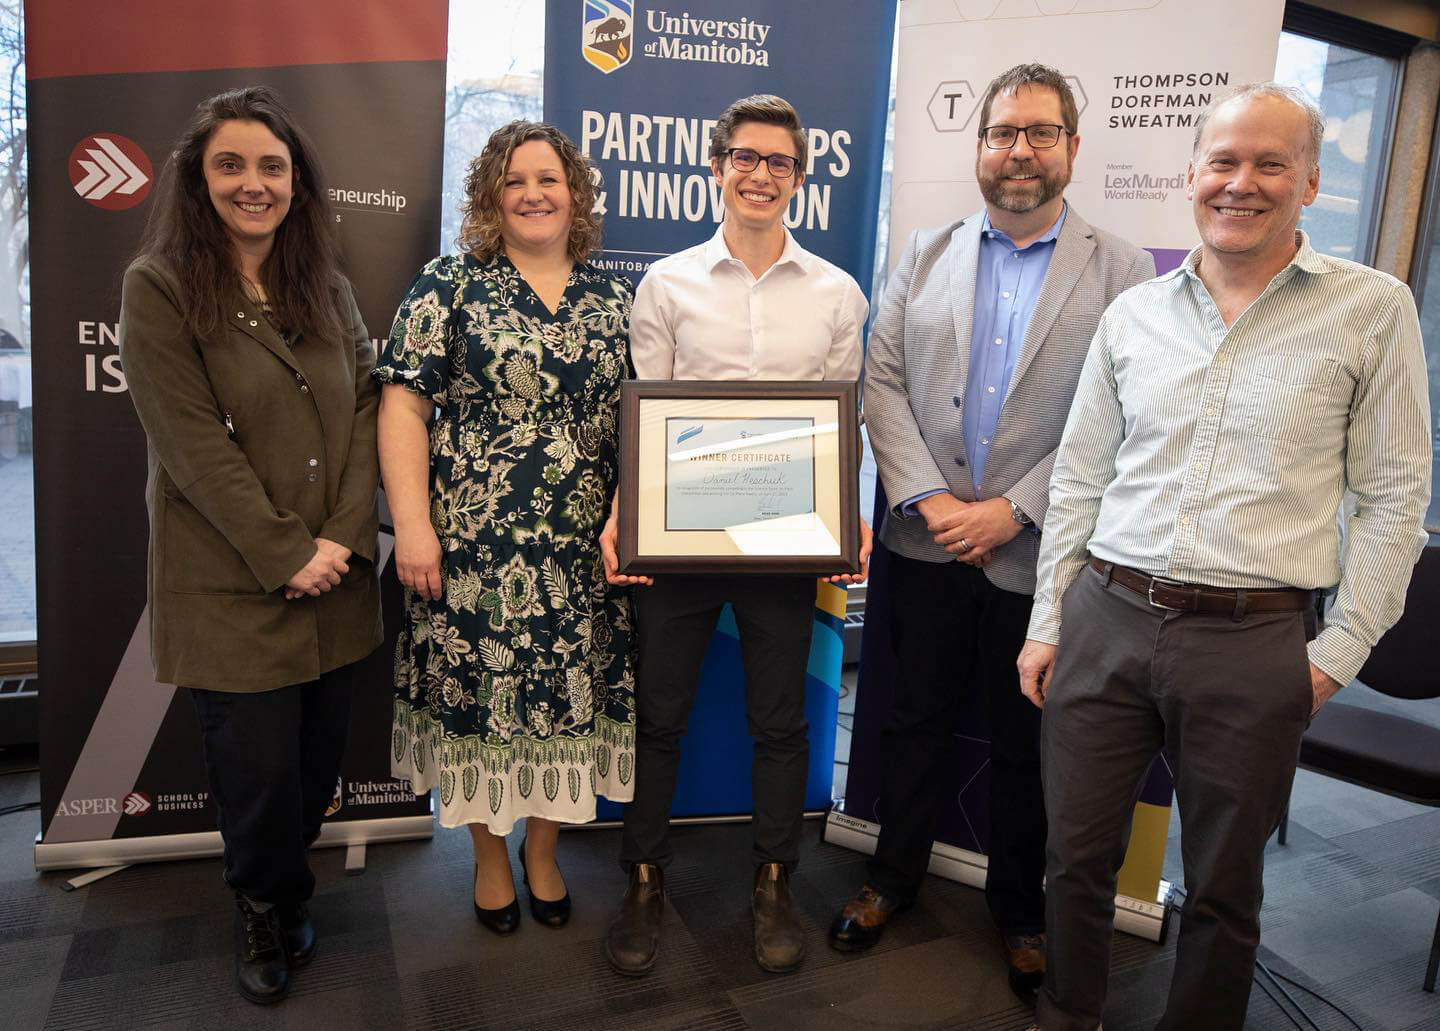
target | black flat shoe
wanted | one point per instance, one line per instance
(551, 914)
(503, 920)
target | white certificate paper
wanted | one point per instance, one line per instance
(722, 473)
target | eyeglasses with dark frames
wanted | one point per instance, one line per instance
(781, 166)
(1003, 137)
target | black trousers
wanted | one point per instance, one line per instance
(954, 633)
(676, 617)
(273, 758)
(1227, 700)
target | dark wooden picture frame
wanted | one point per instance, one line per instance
(847, 466)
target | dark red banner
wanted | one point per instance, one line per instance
(81, 37)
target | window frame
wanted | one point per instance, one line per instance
(1427, 240)
(1353, 34)
(1427, 230)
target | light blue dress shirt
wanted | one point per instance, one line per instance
(1008, 281)
(1007, 286)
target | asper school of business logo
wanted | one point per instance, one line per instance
(136, 803)
(110, 171)
(607, 33)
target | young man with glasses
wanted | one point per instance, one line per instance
(748, 304)
(972, 366)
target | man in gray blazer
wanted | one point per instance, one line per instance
(972, 366)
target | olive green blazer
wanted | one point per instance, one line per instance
(256, 448)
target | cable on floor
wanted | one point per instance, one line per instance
(1276, 978)
(22, 807)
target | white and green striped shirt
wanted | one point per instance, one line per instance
(1220, 456)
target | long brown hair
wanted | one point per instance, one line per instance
(485, 179)
(302, 271)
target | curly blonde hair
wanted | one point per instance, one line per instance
(485, 179)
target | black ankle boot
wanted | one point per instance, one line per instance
(297, 934)
(260, 970)
(633, 942)
(779, 932)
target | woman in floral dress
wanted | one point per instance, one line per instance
(515, 688)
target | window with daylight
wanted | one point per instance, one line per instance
(17, 482)
(493, 75)
(1425, 279)
(1357, 90)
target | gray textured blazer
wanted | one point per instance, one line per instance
(918, 359)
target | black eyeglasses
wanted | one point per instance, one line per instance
(781, 166)
(1003, 137)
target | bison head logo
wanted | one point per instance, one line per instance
(607, 33)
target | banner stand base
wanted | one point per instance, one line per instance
(91, 876)
(1149, 920)
(687, 821)
(355, 859)
(120, 852)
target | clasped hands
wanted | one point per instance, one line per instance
(972, 531)
(330, 562)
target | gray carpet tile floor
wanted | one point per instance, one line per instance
(1350, 907)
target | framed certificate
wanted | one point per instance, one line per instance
(739, 476)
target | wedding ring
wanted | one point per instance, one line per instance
(964, 545)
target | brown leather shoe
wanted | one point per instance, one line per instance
(1025, 957)
(858, 925)
(633, 942)
(779, 935)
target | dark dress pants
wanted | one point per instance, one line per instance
(676, 617)
(955, 632)
(1227, 700)
(273, 758)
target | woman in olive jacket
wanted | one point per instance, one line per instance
(249, 366)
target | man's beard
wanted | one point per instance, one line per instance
(997, 190)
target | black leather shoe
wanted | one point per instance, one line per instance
(633, 942)
(1025, 964)
(858, 925)
(260, 970)
(503, 920)
(297, 934)
(551, 914)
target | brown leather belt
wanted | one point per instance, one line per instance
(1221, 601)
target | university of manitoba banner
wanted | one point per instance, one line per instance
(638, 85)
(110, 88)
(1137, 121)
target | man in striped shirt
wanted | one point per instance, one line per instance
(1223, 412)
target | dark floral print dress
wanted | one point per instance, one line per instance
(515, 692)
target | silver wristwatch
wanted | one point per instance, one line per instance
(1018, 514)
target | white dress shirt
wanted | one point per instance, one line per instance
(1219, 456)
(700, 314)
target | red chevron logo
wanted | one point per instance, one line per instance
(137, 802)
(110, 171)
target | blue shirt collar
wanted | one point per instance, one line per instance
(1049, 236)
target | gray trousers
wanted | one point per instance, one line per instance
(1227, 701)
